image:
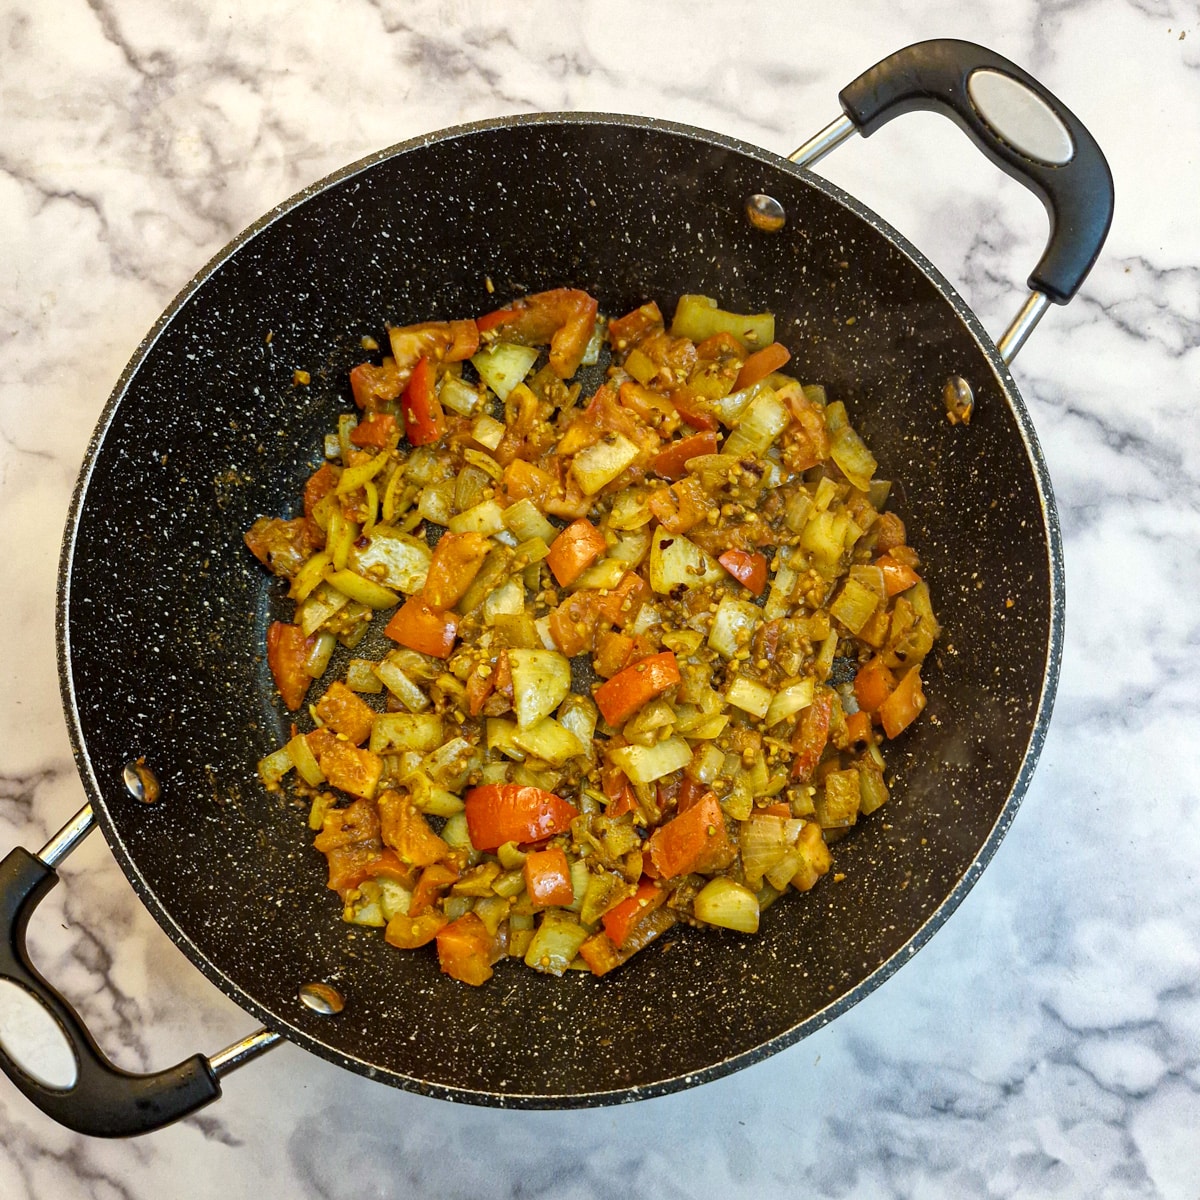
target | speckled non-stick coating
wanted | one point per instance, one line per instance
(162, 610)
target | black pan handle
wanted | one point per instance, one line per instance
(104, 1101)
(1023, 128)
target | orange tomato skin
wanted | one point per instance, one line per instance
(509, 812)
(622, 695)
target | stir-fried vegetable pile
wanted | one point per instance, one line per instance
(703, 535)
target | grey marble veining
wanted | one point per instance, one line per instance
(1047, 1041)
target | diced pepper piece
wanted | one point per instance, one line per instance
(509, 812)
(287, 656)
(904, 705)
(465, 950)
(456, 561)
(760, 364)
(548, 878)
(574, 550)
(378, 429)
(622, 917)
(424, 421)
(345, 713)
(627, 691)
(748, 569)
(420, 626)
(671, 463)
(696, 840)
(812, 735)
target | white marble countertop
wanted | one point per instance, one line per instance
(1047, 1041)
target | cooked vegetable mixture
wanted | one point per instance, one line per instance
(638, 648)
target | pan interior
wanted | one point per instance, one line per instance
(163, 611)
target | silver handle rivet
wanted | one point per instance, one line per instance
(321, 998)
(141, 782)
(765, 213)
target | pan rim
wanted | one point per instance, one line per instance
(920, 936)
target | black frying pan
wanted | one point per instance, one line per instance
(162, 612)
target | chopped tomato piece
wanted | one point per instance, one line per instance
(904, 705)
(762, 363)
(456, 561)
(626, 331)
(440, 341)
(897, 576)
(349, 768)
(349, 839)
(778, 809)
(282, 546)
(683, 505)
(748, 569)
(622, 917)
(574, 622)
(424, 421)
(858, 728)
(523, 481)
(320, 483)
(889, 532)
(671, 463)
(618, 789)
(548, 878)
(410, 933)
(720, 347)
(689, 793)
(378, 429)
(624, 602)
(873, 684)
(627, 691)
(693, 410)
(479, 687)
(287, 656)
(346, 713)
(574, 550)
(812, 735)
(696, 840)
(613, 651)
(465, 950)
(420, 626)
(373, 386)
(408, 832)
(435, 879)
(653, 407)
(564, 317)
(509, 812)
(810, 423)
